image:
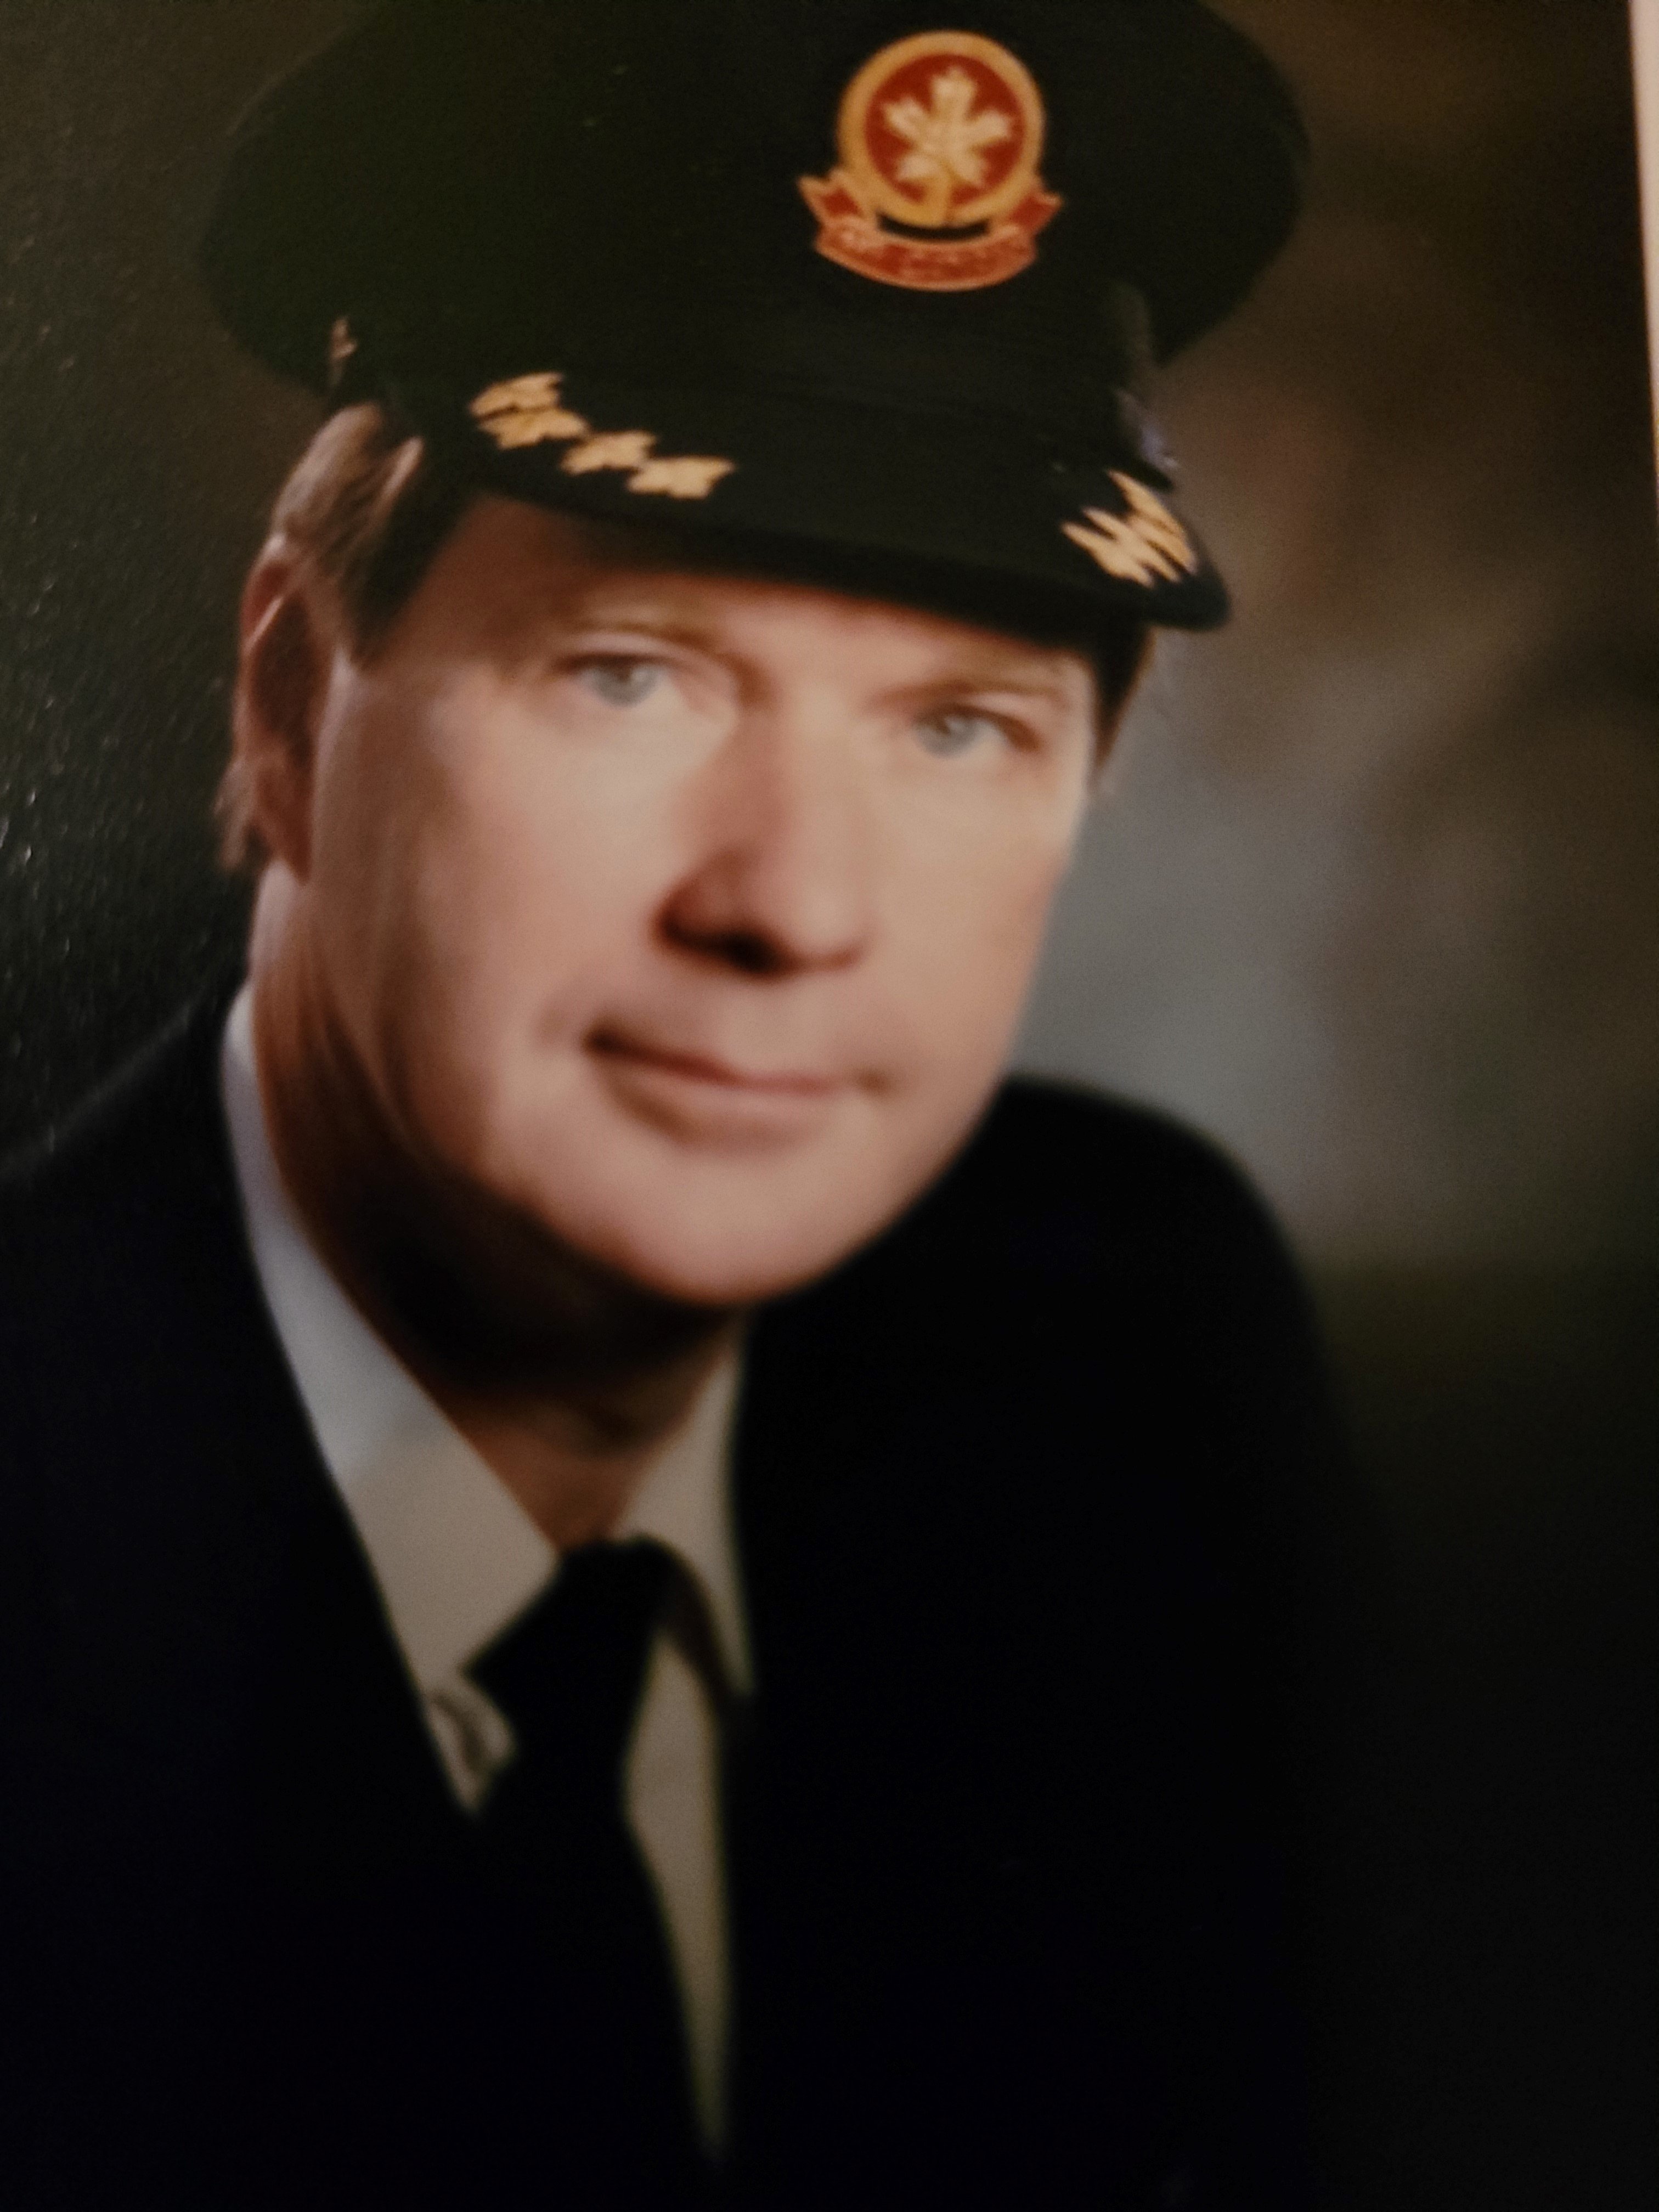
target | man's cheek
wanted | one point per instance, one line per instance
(970, 958)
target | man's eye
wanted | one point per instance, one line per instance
(621, 682)
(954, 730)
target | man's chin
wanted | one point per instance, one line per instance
(719, 1224)
(730, 1283)
(746, 1238)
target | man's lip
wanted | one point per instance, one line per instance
(706, 1067)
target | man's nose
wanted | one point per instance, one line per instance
(787, 837)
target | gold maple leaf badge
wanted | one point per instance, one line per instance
(939, 185)
(947, 140)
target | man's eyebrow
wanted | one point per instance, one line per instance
(1004, 679)
(616, 606)
(1040, 679)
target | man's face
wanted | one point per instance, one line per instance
(688, 915)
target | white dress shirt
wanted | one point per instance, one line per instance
(457, 1558)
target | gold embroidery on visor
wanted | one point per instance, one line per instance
(1147, 545)
(529, 410)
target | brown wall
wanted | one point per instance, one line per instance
(1377, 901)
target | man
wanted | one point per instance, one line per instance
(627, 1589)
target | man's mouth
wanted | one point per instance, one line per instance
(743, 1080)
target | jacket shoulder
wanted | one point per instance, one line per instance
(155, 1113)
(1067, 1186)
(136, 1360)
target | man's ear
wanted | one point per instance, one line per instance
(286, 643)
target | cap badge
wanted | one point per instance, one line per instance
(528, 410)
(940, 138)
(1145, 544)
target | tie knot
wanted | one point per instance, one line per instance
(568, 1673)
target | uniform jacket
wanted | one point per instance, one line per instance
(1018, 1495)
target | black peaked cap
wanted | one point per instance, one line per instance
(879, 279)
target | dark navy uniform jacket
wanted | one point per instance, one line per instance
(1019, 1496)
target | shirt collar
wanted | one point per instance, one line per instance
(455, 1556)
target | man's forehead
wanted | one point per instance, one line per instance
(567, 569)
(544, 567)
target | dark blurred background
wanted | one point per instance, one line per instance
(1375, 900)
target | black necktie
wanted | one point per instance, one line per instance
(607, 2022)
